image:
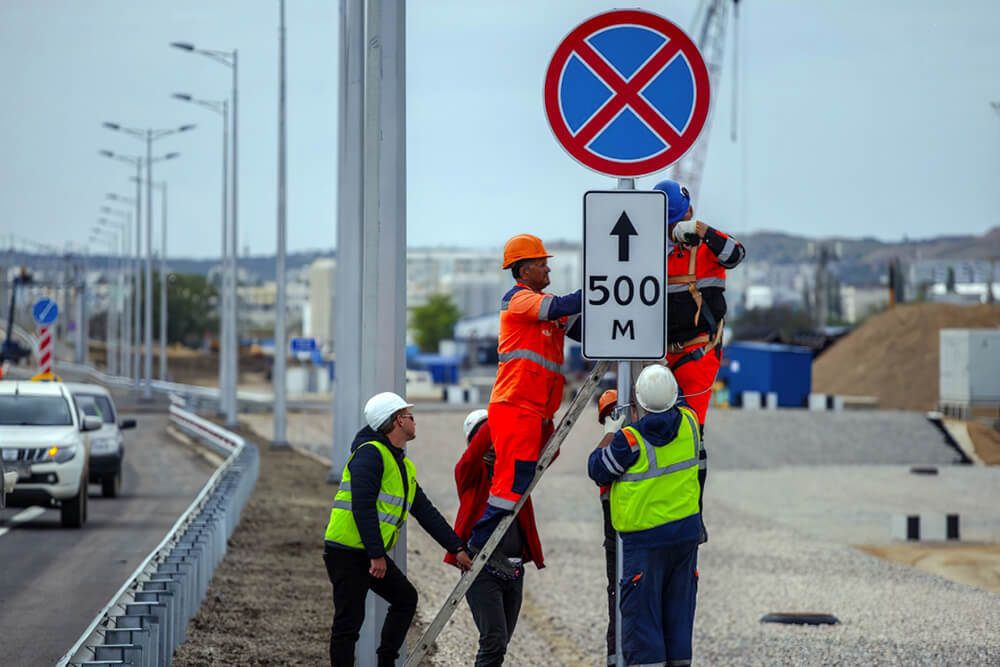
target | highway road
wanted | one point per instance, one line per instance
(54, 580)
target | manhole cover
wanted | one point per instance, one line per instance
(800, 618)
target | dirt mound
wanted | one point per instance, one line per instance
(894, 355)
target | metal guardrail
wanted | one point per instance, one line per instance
(195, 397)
(146, 620)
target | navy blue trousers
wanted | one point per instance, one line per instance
(659, 586)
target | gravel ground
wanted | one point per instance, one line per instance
(765, 555)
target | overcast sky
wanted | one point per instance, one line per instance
(857, 118)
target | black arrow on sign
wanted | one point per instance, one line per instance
(623, 229)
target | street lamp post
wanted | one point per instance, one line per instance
(128, 279)
(280, 440)
(231, 60)
(162, 337)
(149, 135)
(122, 303)
(101, 234)
(136, 322)
(221, 108)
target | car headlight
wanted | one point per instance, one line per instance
(103, 445)
(60, 453)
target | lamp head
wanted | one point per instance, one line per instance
(182, 45)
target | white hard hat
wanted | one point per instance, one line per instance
(382, 406)
(656, 389)
(475, 418)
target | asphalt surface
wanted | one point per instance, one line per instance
(54, 580)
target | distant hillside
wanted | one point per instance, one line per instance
(864, 261)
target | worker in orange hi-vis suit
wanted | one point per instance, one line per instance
(698, 258)
(529, 384)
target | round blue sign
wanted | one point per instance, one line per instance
(45, 311)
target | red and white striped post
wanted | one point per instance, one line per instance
(44, 350)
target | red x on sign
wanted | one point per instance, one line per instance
(627, 93)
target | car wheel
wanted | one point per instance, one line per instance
(111, 485)
(73, 513)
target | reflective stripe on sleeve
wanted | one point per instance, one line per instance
(342, 504)
(610, 463)
(543, 310)
(502, 503)
(727, 250)
(345, 486)
(530, 356)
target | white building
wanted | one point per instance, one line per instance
(322, 296)
(857, 303)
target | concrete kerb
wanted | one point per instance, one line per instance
(146, 620)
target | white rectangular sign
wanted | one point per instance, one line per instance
(624, 274)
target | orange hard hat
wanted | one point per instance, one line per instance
(606, 404)
(523, 246)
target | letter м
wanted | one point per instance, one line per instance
(627, 329)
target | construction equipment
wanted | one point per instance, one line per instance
(587, 391)
(11, 350)
(709, 33)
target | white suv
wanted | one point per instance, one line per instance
(44, 439)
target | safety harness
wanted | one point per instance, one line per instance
(711, 340)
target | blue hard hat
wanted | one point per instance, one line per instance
(678, 199)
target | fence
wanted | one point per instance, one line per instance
(146, 620)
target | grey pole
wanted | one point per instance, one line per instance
(280, 352)
(228, 351)
(147, 387)
(624, 387)
(163, 287)
(136, 321)
(123, 285)
(347, 399)
(234, 370)
(383, 317)
(224, 267)
(221, 108)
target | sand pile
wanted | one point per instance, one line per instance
(894, 355)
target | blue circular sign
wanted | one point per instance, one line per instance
(45, 311)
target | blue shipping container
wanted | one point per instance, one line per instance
(443, 369)
(767, 367)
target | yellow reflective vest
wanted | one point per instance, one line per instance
(391, 506)
(662, 485)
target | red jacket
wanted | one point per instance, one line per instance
(473, 484)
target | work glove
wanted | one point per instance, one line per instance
(613, 424)
(686, 232)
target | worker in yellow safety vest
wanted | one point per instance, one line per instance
(652, 467)
(378, 491)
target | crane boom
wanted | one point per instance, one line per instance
(709, 30)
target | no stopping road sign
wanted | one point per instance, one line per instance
(627, 93)
(624, 273)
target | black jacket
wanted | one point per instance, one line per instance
(366, 480)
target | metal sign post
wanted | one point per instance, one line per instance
(626, 95)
